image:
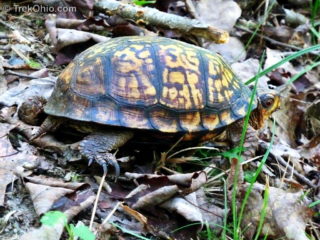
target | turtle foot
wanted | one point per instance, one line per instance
(93, 151)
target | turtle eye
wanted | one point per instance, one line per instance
(268, 102)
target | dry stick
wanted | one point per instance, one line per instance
(154, 17)
(191, 8)
(284, 163)
(298, 175)
(20, 74)
(94, 210)
(7, 25)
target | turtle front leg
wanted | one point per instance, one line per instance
(49, 124)
(97, 146)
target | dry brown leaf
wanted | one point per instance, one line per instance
(289, 212)
(286, 214)
(248, 69)
(41, 87)
(313, 116)
(211, 213)
(62, 37)
(66, 37)
(54, 232)
(275, 56)
(281, 33)
(54, 182)
(232, 51)
(138, 216)
(161, 188)
(197, 181)
(218, 13)
(187, 207)
(45, 233)
(3, 82)
(44, 196)
(11, 160)
(156, 197)
(289, 117)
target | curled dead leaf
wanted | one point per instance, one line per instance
(44, 196)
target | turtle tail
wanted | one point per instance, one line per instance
(48, 125)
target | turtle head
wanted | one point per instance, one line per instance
(268, 102)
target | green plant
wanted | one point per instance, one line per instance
(130, 232)
(143, 2)
(263, 212)
(34, 64)
(314, 204)
(56, 217)
(286, 59)
(315, 10)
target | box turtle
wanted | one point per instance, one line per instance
(135, 85)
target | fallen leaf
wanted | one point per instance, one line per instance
(54, 232)
(313, 116)
(44, 196)
(281, 33)
(54, 182)
(286, 214)
(218, 13)
(211, 213)
(274, 56)
(41, 87)
(46, 191)
(10, 160)
(66, 37)
(187, 207)
(248, 69)
(232, 51)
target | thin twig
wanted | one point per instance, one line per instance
(94, 210)
(191, 8)
(287, 166)
(154, 17)
(298, 175)
(19, 53)
(7, 25)
(110, 214)
(20, 74)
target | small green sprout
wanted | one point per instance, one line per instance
(55, 217)
(143, 2)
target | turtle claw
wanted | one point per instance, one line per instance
(90, 161)
(104, 160)
(105, 168)
(95, 148)
(109, 158)
(116, 167)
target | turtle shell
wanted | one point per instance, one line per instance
(150, 83)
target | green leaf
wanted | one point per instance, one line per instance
(53, 217)
(314, 203)
(34, 64)
(83, 232)
(249, 176)
(233, 153)
(143, 2)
